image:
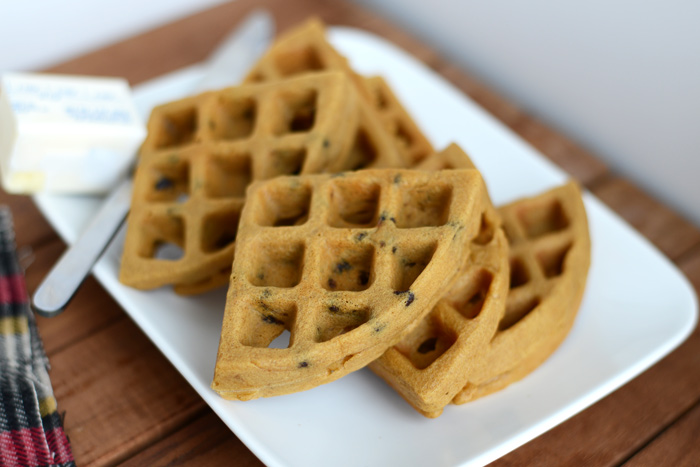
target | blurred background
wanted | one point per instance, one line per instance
(620, 78)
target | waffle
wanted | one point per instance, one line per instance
(346, 263)
(202, 152)
(428, 367)
(412, 144)
(305, 49)
(549, 260)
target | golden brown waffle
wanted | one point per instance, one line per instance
(428, 367)
(549, 260)
(303, 49)
(202, 152)
(409, 139)
(346, 263)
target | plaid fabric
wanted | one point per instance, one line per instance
(31, 430)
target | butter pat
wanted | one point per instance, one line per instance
(66, 134)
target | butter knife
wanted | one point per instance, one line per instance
(224, 67)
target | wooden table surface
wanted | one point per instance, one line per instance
(125, 403)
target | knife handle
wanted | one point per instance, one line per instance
(72, 268)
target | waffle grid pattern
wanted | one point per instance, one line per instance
(306, 50)
(549, 260)
(428, 367)
(203, 152)
(408, 138)
(355, 263)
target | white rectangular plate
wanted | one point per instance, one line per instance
(636, 309)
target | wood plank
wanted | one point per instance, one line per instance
(677, 446)
(204, 442)
(119, 394)
(625, 421)
(31, 229)
(189, 40)
(666, 229)
(184, 42)
(161, 50)
(90, 310)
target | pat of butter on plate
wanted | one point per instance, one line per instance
(66, 134)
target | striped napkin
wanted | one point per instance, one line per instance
(31, 430)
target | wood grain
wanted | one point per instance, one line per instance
(204, 442)
(33, 229)
(678, 446)
(189, 40)
(90, 310)
(119, 394)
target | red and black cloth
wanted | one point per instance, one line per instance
(31, 429)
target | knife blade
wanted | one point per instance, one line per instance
(225, 66)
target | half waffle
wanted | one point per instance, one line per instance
(202, 152)
(428, 367)
(549, 260)
(412, 144)
(346, 263)
(305, 49)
